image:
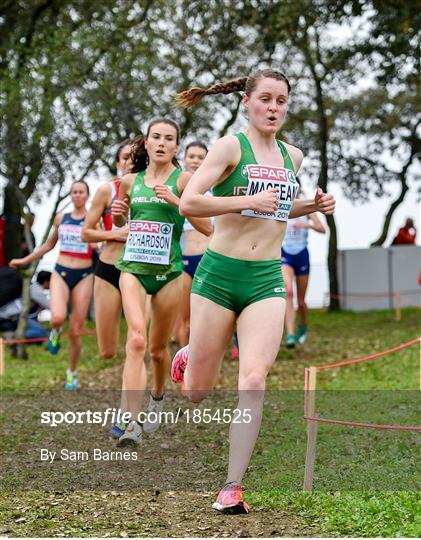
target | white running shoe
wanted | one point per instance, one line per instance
(153, 416)
(132, 435)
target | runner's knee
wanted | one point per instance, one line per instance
(158, 354)
(136, 342)
(57, 320)
(254, 380)
(196, 396)
(108, 352)
(75, 331)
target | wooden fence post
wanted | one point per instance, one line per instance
(311, 431)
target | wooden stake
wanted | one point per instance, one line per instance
(398, 305)
(1, 356)
(311, 431)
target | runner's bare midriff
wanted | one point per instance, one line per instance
(111, 251)
(73, 262)
(196, 243)
(248, 238)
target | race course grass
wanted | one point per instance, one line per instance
(365, 484)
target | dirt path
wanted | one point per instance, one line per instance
(142, 514)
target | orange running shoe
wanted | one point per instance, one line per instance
(230, 500)
(179, 365)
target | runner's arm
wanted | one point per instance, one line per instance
(216, 166)
(201, 224)
(42, 250)
(90, 231)
(316, 224)
(120, 207)
(322, 202)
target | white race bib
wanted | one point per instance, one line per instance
(70, 239)
(264, 177)
(149, 242)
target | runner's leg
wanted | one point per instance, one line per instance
(80, 298)
(259, 329)
(164, 307)
(107, 316)
(211, 329)
(289, 275)
(302, 283)
(134, 375)
(185, 310)
(59, 294)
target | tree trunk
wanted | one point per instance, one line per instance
(404, 188)
(332, 260)
(323, 180)
(388, 218)
(20, 351)
(13, 229)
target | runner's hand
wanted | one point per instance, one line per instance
(265, 202)
(301, 225)
(325, 202)
(164, 192)
(17, 263)
(120, 208)
(121, 234)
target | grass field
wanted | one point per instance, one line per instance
(366, 482)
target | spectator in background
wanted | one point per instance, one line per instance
(10, 285)
(406, 235)
(40, 298)
(10, 311)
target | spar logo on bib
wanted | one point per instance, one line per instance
(145, 226)
(165, 228)
(275, 174)
(291, 176)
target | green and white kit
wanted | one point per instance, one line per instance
(152, 251)
(235, 283)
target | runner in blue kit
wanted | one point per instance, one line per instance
(296, 264)
(99, 227)
(72, 277)
(239, 279)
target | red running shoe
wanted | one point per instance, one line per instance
(230, 500)
(235, 353)
(179, 364)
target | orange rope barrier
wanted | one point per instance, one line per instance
(366, 358)
(313, 418)
(362, 424)
(373, 295)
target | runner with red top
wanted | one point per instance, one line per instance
(193, 244)
(239, 279)
(72, 277)
(99, 227)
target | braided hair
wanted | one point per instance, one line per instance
(191, 97)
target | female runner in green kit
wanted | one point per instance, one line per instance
(151, 263)
(239, 279)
